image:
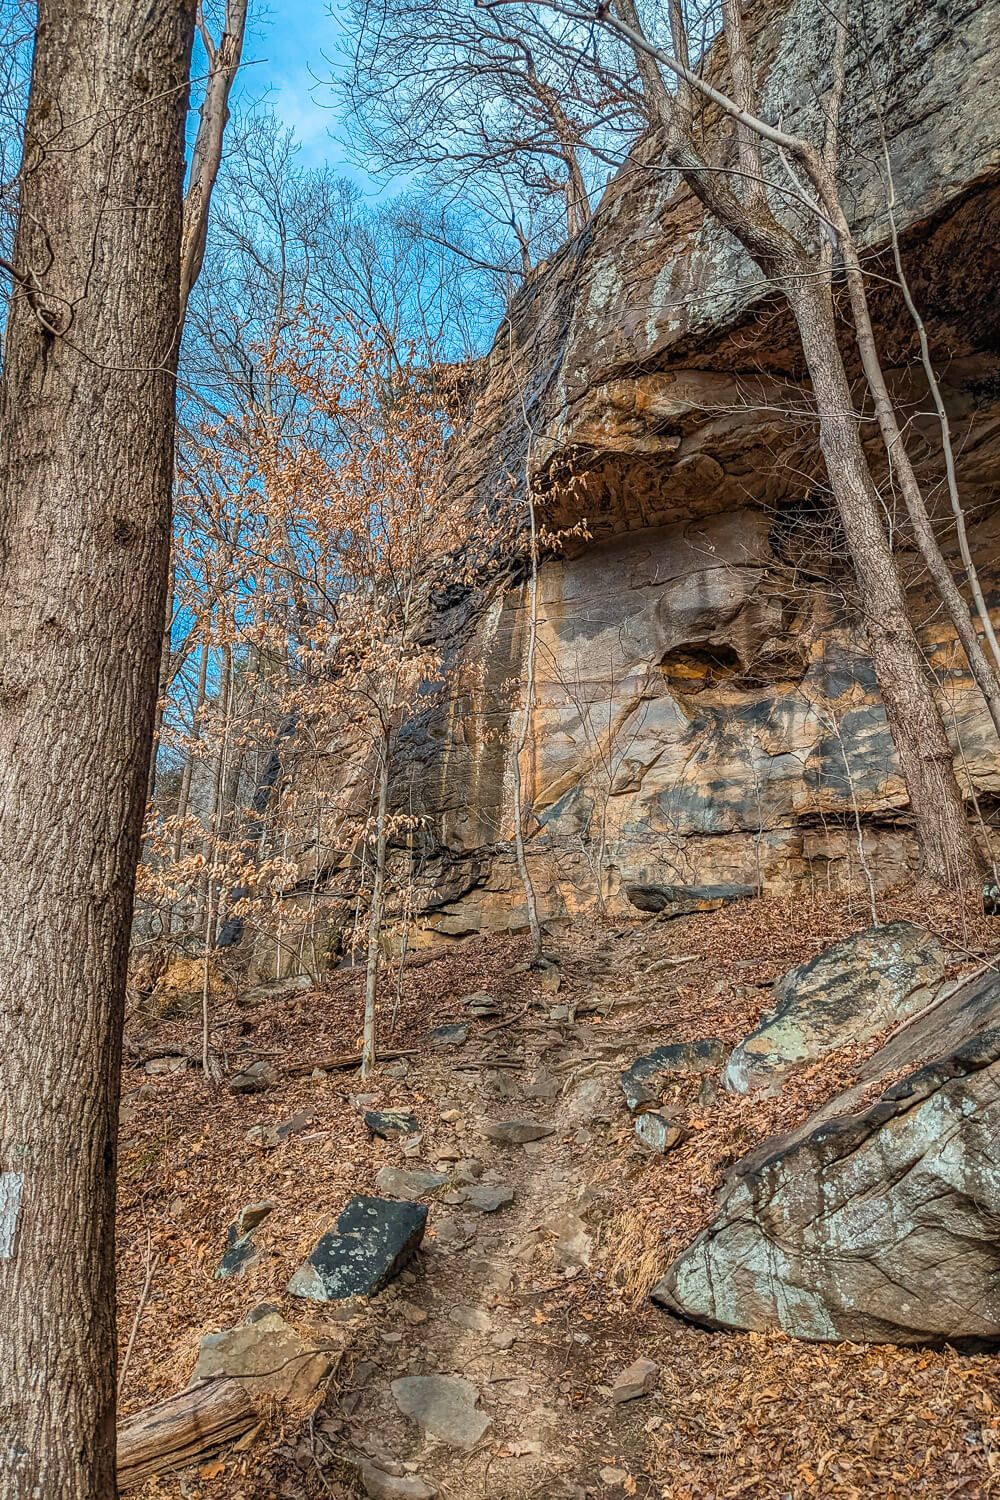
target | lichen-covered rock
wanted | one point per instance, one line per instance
(374, 1240)
(877, 1222)
(848, 993)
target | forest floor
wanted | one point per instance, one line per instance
(542, 1304)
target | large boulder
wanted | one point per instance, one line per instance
(848, 993)
(877, 1222)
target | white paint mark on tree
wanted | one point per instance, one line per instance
(11, 1189)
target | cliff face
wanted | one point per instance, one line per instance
(705, 710)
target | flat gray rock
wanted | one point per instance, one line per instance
(444, 1406)
(382, 1486)
(487, 1198)
(453, 1035)
(373, 1241)
(516, 1132)
(848, 993)
(408, 1182)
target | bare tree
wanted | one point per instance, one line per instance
(483, 102)
(85, 479)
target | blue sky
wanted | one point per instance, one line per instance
(285, 49)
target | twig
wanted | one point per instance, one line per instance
(152, 1261)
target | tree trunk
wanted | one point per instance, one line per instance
(949, 853)
(86, 418)
(375, 911)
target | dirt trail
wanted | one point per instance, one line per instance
(540, 1305)
(493, 1285)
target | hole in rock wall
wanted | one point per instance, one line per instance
(699, 665)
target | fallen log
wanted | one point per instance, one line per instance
(340, 1063)
(185, 1429)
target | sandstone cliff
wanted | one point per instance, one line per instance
(705, 710)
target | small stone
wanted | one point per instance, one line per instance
(451, 1116)
(239, 1255)
(241, 1252)
(373, 1240)
(251, 1215)
(270, 1137)
(392, 1338)
(613, 1477)
(543, 1088)
(455, 1035)
(473, 1318)
(660, 1132)
(444, 1406)
(253, 1079)
(504, 1339)
(411, 1146)
(487, 1198)
(450, 1233)
(379, 1485)
(412, 1314)
(159, 1066)
(390, 1124)
(449, 1154)
(515, 1132)
(408, 1182)
(469, 1170)
(481, 1005)
(639, 1379)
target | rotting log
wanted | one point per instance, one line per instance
(186, 1428)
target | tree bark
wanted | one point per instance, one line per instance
(375, 911)
(86, 416)
(949, 852)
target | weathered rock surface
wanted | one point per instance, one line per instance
(704, 694)
(643, 1082)
(848, 993)
(684, 901)
(445, 1406)
(267, 1356)
(374, 1240)
(875, 1222)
